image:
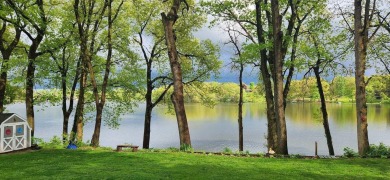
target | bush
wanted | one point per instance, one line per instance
(348, 152)
(375, 151)
(54, 143)
(380, 150)
(227, 150)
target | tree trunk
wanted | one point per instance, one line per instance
(3, 83)
(177, 96)
(271, 135)
(240, 102)
(78, 123)
(65, 114)
(30, 95)
(98, 125)
(100, 102)
(324, 112)
(361, 40)
(148, 118)
(278, 80)
(149, 107)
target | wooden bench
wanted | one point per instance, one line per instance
(120, 147)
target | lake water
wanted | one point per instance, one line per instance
(213, 129)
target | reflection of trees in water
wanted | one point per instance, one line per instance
(299, 113)
(302, 112)
(342, 114)
(223, 111)
(388, 118)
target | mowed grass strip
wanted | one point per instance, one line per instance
(99, 164)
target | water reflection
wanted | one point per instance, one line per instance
(213, 129)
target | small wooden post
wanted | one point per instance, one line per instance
(316, 150)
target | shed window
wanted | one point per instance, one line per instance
(20, 130)
(8, 131)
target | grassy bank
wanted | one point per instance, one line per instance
(98, 164)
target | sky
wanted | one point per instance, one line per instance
(219, 37)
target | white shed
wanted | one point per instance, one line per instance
(15, 133)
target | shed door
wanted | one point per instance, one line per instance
(20, 140)
(14, 137)
(8, 138)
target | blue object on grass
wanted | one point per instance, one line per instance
(71, 146)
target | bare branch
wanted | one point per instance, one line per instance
(345, 19)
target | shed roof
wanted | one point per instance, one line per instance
(5, 116)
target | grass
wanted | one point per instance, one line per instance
(103, 164)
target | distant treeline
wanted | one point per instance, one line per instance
(339, 89)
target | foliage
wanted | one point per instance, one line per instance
(54, 143)
(211, 93)
(380, 150)
(375, 151)
(227, 150)
(348, 152)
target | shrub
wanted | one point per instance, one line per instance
(54, 143)
(375, 151)
(380, 150)
(227, 150)
(348, 152)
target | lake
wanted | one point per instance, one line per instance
(214, 129)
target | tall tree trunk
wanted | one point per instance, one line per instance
(361, 40)
(3, 83)
(177, 96)
(240, 102)
(266, 77)
(148, 118)
(324, 111)
(98, 124)
(78, 122)
(30, 95)
(278, 79)
(66, 111)
(65, 114)
(100, 101)
(149, 107)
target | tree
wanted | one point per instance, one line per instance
(199, 58)
(278, 78)
(62, 68)
(240, 61)
(7, 45)
(168, 21)
(146, 23)
(322, 49)
(321, 56)
(241, 14)
(362, 23)
(33, 22)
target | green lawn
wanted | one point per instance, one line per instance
(99, 164)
